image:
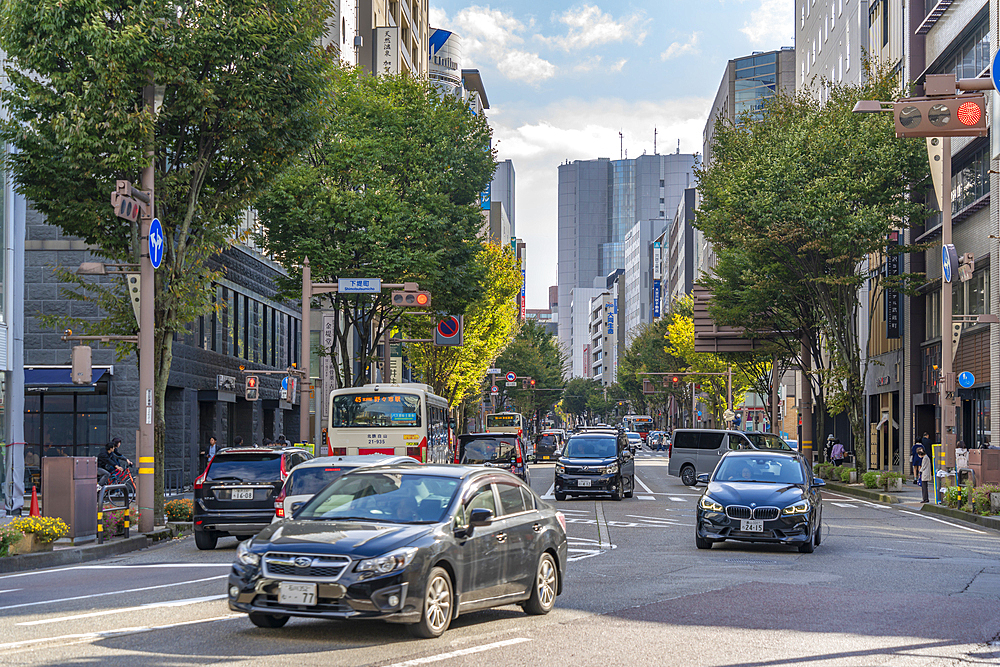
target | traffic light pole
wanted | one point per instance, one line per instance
(145, 449)
(946, 386)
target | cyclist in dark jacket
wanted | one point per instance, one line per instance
(107, 463)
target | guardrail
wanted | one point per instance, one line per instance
(103, 499)
(174, 483)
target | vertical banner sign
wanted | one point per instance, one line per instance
(656, 260)
(524, 280)
(326, 370)
(586, 361)
(891, 295)
(485, 196)
(386, 51)
(611, 323)
(656, 297)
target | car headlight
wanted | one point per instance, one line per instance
(560, 467)
(708, 503)
(611, 469)
(245, 556)
(801, 507)
(397, 560)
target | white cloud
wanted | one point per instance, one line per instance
(490, 36)
(772, 24)
(617, 67)
(524, 66)
(677, 49)
(589, 26)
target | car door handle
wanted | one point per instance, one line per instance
(501, 537)
(537, 527)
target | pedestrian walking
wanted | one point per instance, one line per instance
(837, 453)
(828, 447)
(915, 461)
(208, 452)
(926, 477)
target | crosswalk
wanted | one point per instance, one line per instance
(646, 494)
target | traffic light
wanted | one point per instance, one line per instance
(532, 382)
(524, 383)
(411, 298)
(675, 379)
(82, 370)
(252, 390)
(959, 116)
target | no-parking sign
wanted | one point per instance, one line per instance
(449, 331)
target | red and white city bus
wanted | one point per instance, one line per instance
(403, 419)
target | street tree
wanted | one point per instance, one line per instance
(243, 87)
(647, 353)
(579, 395)
(534, 353)
(814, 192)
(390, 190)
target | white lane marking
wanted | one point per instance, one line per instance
(844, 505)
(643, 485)
(590, 548)
(651, 518)
(646, 498)
(851, 498)
(107, 612)
(679, 500)
(567, 511)
(107, 634)
(459, 653)
(947, 523)
(105, 593)
(12, 590)
(550, 494)
(114, 567)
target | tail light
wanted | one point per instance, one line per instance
(284, 472)
(279, 504)
(519, 460)
(198, 483)
(562, 520)
(338, 451)
(413, 452)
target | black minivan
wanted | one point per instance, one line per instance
(493, 450)
(596, 462)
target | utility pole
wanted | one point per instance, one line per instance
(805, 404)
(145, 448)
(304, 353)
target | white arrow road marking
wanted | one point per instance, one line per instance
(107, 612)
(679, 500)
(643, 485)
(550, 494)
(580, 548)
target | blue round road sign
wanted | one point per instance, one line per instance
(966, 379)
(449, 327)
(995, 70)
(155, 243)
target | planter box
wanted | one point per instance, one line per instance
(995, 503)
(30, 544)
(854, 477)
(895, 484)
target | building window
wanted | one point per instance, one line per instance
(972, 296)
(932, 312)
(972, 56)
(63, 424)
(972, 181)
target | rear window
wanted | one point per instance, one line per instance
(488, 450)
(547, 441)
(686, 440)
(263, 467)
(310, 481)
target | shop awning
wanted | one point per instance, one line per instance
(58, 377)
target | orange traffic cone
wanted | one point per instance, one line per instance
(34, 502)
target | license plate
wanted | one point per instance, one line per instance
(546, 456)
(583, 482)
(748, 526)
(289, 593)
(242, 494)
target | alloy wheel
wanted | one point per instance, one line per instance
(438, 604)
(546, 582)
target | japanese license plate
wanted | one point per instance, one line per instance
(583, 482)
(289, 593)
(242, 494)
(748, 526)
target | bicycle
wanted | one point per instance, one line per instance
(123, 476)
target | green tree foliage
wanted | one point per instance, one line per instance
(647, 353)
(391, 191)
(808, 195)
(489, 326)
(580, 396)
(534, 353)
(243, 84)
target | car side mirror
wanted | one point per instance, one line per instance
(818, 482)
(703, 478)
(480, 517)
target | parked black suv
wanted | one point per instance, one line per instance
(597, 461)
(494, 450)
(235, 495)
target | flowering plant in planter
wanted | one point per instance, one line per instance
(9, 536)
(180, 509)
(45, 528)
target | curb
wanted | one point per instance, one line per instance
(987, 521)
(82, 554)
(864, 493)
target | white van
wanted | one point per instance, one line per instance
(696, 451)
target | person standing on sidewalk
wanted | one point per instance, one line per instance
(926, 477)
(837, 453)
(915, 461)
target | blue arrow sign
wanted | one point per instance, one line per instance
(995, 70)
(155, 243)
(966, 379)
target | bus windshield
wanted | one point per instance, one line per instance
(501, 420)
(369, 410)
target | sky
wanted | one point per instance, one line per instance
(564, 78)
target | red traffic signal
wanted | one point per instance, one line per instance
(675, 379)
(252, 382)
(414, 299)
(252, 391)
(959, 116)
(532, 382)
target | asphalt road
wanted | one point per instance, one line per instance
(888, 586)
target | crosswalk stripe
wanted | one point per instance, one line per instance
(844, 505)
(646, 498)
(675, 499)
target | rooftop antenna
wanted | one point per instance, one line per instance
(654, 140)
(678, 146)
(621, 148)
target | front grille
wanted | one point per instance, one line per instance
(584, 470)
(738, 512)
(766, 513)
(283, 566)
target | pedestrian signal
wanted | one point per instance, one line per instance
(252, 389)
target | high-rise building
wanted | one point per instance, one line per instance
(502, 190)
(639, 273)
(831, 39)
(394, 36)
(600, 201)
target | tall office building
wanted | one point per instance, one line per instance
(831, 38)
(600, 201)
(502, 190)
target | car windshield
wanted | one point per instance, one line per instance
(768, 469)
(478, 451)
(310, 481)
(768, 441)
(547, 441)
(384, 497)
(245, 468)
(634, 436)
(590, 448)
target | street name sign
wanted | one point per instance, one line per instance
(359, 285)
